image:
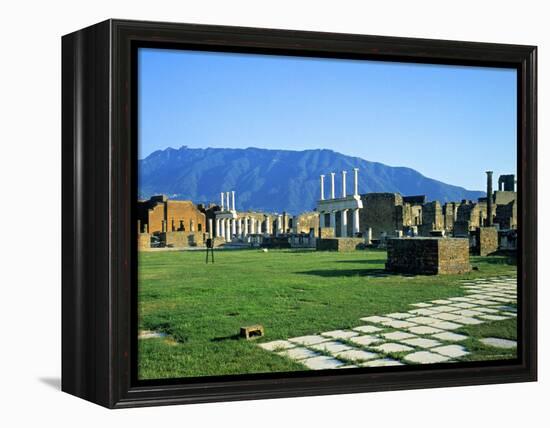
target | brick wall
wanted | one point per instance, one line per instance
(340, 244)
(428, 255)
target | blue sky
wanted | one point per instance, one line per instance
(450, 123)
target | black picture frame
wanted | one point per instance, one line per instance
(98, 234)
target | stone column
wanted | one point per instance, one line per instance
(344, 223)
(268, 225)
(240, 226)
(333, 221)
(246, 226)
(355, 181)
(368, 237)
(210, 234)
(233, 226)
(356, 221)
(227, 205)
(489, 199)
(322, 187)
(218, 228)
(322, 219)
(222, 228)
(344, 193)
(279, 225)
(332, 194)
(192, 225)
(228, 230)
(233, 200)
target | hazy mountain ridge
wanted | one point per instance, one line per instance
(277, 180)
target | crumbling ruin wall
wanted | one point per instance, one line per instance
(506, 215)
(340, 244)
(428, 255)
(486, 241)
(182, 239)
(380, 214)
(307, 221)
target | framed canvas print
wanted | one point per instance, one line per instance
(253, 213)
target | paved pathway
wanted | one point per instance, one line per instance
(423, 335)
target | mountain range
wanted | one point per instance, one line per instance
(277, 180)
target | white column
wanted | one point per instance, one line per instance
(228, 229)
(344, 183)
(222, 200)
(344, 223)
(279, 225)
(332, 196)
(252, 225)
(356, 220)
(240, 226)
(333, 221)
(322, 219)
(227, 204)
(322, 187)
(218, 228)
(222, 228)
(246, 226)
(233, 200)
(233, 226)
(268, 225)
(210, 234)
(355, 181)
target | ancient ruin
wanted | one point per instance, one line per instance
(344, 222)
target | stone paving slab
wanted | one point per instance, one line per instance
(446, 325)
(399, 323)
(445, 316)
(492, 317)
(340, 334)
(298, 353)
(441, 302)
(357, 355)
(400, 315)
(392, 347)
(487, 310)
(308, 340)
(375, 319)
(332, 347)
(398, 335)
(425, 357)
(423, 320)
(424, 329)
(445, 308)
(422, 311)
(365, 340)
(367, 329)
(322, 363)
(450, 337)
(384, 362)
(453, 351)
(421, 342)
(499, 343)
(468, 312)
(277, 345)
(468, 321)
(463, 305)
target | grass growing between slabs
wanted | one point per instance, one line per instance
(291, 293)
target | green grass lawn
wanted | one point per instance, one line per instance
(291, 293)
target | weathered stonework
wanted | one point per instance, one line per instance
(181, 239)
(340, 244)
(486, 240)
(144, 241)
(428, 255)
(326, 232)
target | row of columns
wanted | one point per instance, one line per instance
(229, 227)
(343, 221)
(344, 187)
(227, 201)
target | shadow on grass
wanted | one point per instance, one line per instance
(225, 338)
(347, 272)
(366, 262)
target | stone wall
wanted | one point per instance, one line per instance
(380, 214)
(432, 216)
(506, 215)
(182, 239)
(340, 244)
(326, 232)
(144, 241)
(486, 241)
(177, 216)
(428, 255)
(306, 221)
